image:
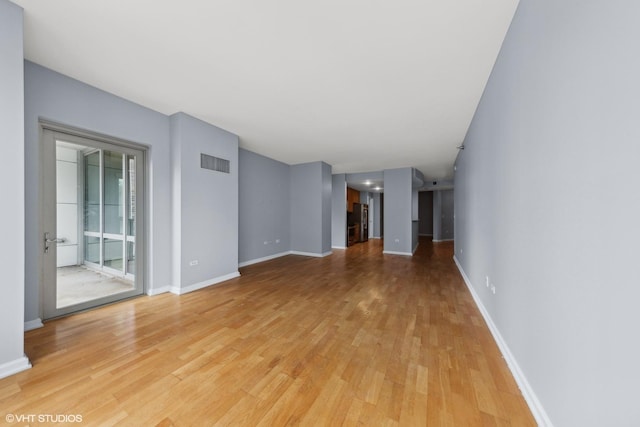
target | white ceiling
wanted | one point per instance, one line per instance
(363, 85)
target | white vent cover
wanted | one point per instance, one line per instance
(214, 163)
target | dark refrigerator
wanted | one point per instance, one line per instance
(361, 218)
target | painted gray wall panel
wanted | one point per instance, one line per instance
(376, 215)
(326, 207)
(415, 205)
(415, 225)
(447, 213)
(306, 208)
(55, 97)
(176, 198)
(425, 213)
(12, 260)
(208, 200)
(364, 197)
(443, 212)
(264, 206)
(550, 158)
(437, 216)
(398, 210)
(339, 211)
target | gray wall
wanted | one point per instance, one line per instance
(326, 207)
(339, 211)
(415, 225)
(264, 207)
(376, 230)
(55, 97)
(12, 260)
(443, 212)
(311, 208)
(425, 213)
(364, 197)
(207, 229)
(550, 158)
(447, 232)
(398, 211)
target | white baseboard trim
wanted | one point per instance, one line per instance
(158, 291)
(525, 388)
(312, 254)
(33, 324)
(375, 237)
(338, 247)
(15, 366)
(263, 259)
(443, 240)
(397, 253)
(196, 286)
(281, 254)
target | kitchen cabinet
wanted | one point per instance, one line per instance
(353, 196)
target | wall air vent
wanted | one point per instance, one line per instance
(214, 163)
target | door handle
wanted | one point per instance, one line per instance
(48, 239)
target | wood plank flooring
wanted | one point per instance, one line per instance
(356, 338)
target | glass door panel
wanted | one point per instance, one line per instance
(92, 249)
(92, 193)
(113, 192)
(113, 255)
(131, 258)
(130, 221)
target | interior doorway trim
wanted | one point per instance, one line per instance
(142, 250)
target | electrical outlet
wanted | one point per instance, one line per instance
(493, 289)
(193, 262)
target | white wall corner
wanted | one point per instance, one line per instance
(33, 324)
(15, 366)
(196, 286)
(338, 247)
(525, 388)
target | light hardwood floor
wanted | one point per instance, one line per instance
(354, 338)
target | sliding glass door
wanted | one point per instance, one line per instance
(109, 212)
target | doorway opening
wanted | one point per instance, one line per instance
(92, 218)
